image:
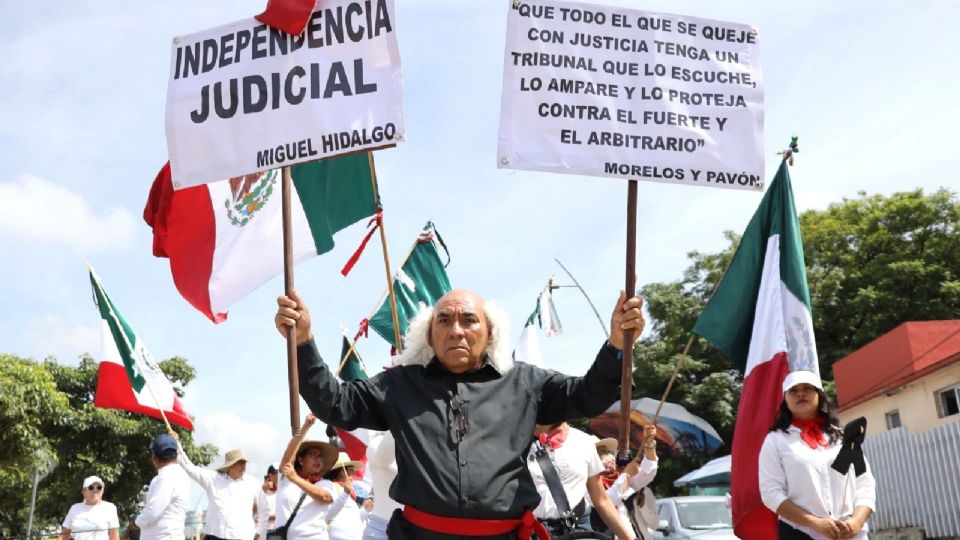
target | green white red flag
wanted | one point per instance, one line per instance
(760, 318)
(545, 316)
(225, 239)
(528, 346)
(128, 379)
(356, 441)
(420, 282)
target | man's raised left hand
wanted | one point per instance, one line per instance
(626, 316)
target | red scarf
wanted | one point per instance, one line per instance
(811, 433)
(555, 438)
(608, 478)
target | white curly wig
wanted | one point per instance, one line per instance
(418, 351)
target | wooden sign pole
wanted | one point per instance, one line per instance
(626, 373)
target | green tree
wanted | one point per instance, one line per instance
(875, 262)
(706, 385)
(82, 439)
(30, 407)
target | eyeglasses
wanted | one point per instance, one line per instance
(94, 487)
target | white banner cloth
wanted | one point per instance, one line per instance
(245, 97)
(617, 92)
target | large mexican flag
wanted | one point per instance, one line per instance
(225, 239)
(128, 379)
(760, 318)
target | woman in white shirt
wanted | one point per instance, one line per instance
(302, 468)
(343, 517)
(629, 492)
(796, 480)
(92, 519)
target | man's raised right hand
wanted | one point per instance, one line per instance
(291, 310)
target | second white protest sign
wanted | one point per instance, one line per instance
(606, 91)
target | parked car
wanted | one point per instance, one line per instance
(701, 518)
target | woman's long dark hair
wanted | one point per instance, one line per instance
(827, 415)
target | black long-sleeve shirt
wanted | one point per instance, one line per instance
(482, 474)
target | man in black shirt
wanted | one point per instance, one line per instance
(461, 411)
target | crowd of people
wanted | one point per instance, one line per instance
(470, 444)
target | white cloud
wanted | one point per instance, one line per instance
(260, 442)
(64, 340)
(46, 215)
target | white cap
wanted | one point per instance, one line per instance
(801, 377)
(91, 480)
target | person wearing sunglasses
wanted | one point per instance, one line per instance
(92, 519)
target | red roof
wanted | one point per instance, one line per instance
(906, 353)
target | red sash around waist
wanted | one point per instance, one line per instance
(525, 525)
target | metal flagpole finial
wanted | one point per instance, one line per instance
(789, 152)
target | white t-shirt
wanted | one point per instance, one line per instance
(343, 514)
(165, 513)
(91, 521)
(382, 464)
(310, 523)
(266, 512)
(789, 469)
(575, 460)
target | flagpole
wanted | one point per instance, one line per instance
(676, 371)
(386, 291)
(293, 383)
(386, 258)
(126, 341)
(626, 368)
(593, 307)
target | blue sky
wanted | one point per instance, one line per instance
(869, 87)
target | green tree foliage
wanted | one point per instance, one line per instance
(47, 411)
(873, 263)
(706, 385)
(30, 406)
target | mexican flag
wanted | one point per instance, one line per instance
(356, 441)
(544, 315)
(528, 347)
(128, 379)
(225, 239)
(760, 318)
(549, 320)
(421, 281)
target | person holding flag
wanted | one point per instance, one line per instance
(760, 318)
(343, 518)
(302, 502)
(231, 492)
(796, 478)
(165, 510)
(461, 412)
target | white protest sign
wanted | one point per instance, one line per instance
(617, 92)
(245, 97)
